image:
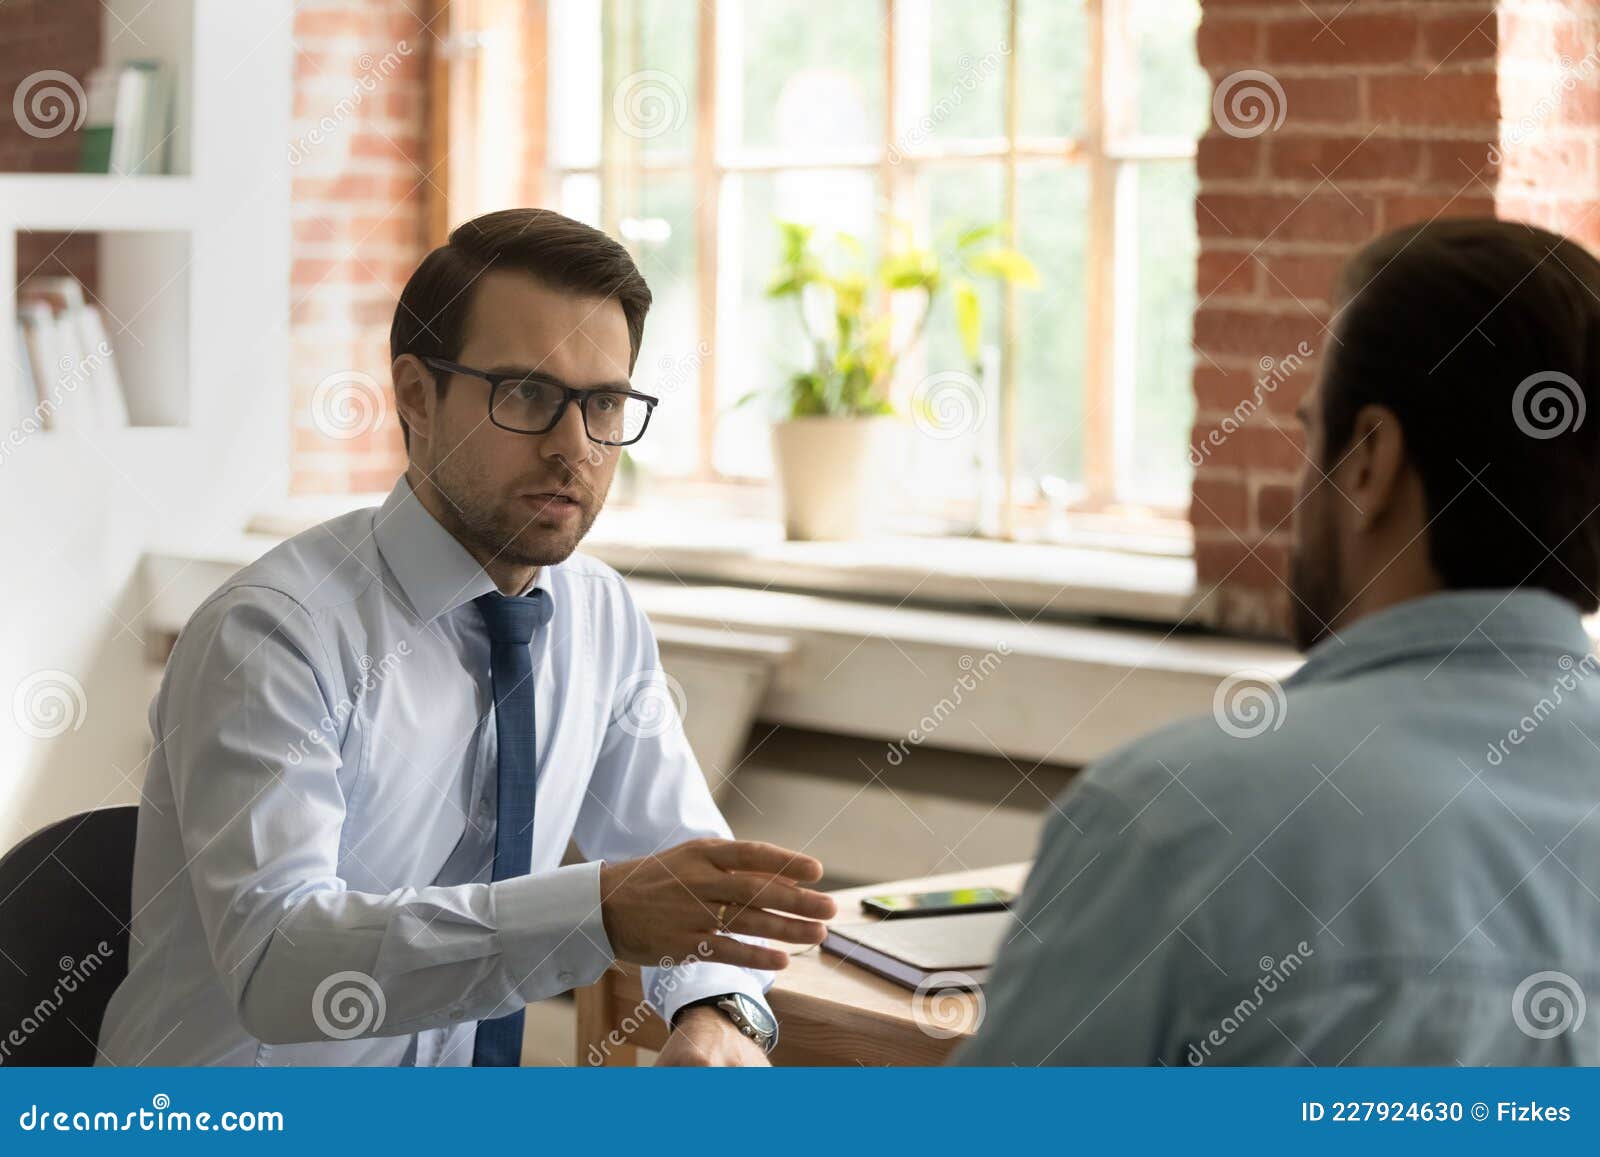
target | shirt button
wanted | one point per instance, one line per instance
(565, 976)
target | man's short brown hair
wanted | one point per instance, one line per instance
(431, 317)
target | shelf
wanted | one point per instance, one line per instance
(96, 202)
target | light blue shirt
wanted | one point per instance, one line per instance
(312, 884)
(1395, 862)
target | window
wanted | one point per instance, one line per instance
(687, 128)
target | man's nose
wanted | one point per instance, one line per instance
(568, 439)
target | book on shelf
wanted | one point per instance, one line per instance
(128, 119)
(70, 370)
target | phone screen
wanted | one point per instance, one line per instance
(954, 900)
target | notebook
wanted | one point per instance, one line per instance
(911, 951)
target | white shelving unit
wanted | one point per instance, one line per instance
(195, 267)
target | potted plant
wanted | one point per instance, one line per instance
(836, 440)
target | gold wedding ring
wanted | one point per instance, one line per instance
(722, 918)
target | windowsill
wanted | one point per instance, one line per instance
(700, 542)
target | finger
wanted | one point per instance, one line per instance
(730, 951)
(765, 892)
(755, 922)
(755, 856)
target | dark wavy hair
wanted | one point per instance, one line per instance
(430, 319)
(1483, 338)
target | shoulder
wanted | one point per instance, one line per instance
(289, 588)
(1242, 766)
(322, 567)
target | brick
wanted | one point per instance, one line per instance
(1398, 211)
(1350, 40)
(1220, 501)
(1274, 507)
(1343, 158)
(1305, 277)
(1323, 216)
(1256, 566)
(1228, 43)
(1459, 38)
(1256, 444)
(1219, 156)
(1222, 332)
(1443, 99)
(1224, 274)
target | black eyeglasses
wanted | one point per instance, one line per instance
(534, 403)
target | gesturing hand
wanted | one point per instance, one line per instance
(668, 905)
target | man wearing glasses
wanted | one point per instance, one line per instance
(373, 744)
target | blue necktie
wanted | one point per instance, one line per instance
(512, 622)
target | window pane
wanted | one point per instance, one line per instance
(1053, 211)
(650, 75)
(1052, 59)
(953, 58)
(1163, 407)
(656, 222)
(1172, 94)
(810, 79)
(576, 105)
(951, 403)
(759, 341)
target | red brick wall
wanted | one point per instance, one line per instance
(38, 36)
(1377, 114)
(359, 183)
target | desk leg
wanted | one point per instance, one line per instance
(596, 1044)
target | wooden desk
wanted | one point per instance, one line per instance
(831, 1012)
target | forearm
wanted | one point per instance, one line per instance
(341, 964)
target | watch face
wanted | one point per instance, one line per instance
(760, 1019)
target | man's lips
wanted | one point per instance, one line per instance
(552, 502)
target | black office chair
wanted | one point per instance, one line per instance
(63, 891)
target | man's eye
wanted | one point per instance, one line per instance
(607, 403)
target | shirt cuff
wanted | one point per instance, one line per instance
(552, 935)
(669, 989)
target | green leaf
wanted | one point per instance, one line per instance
(1005, 264)
(969, 316)
(971, 236)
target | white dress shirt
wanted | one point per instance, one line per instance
(316, 832)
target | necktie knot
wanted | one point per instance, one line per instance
(514, 618)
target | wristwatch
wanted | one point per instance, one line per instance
(749, 1017)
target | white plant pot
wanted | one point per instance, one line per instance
(836, 474)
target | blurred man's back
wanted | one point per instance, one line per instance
(1394, 858)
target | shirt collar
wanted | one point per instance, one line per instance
(436, 573)
(1451, 623)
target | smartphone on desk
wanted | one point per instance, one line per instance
(899, 906)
